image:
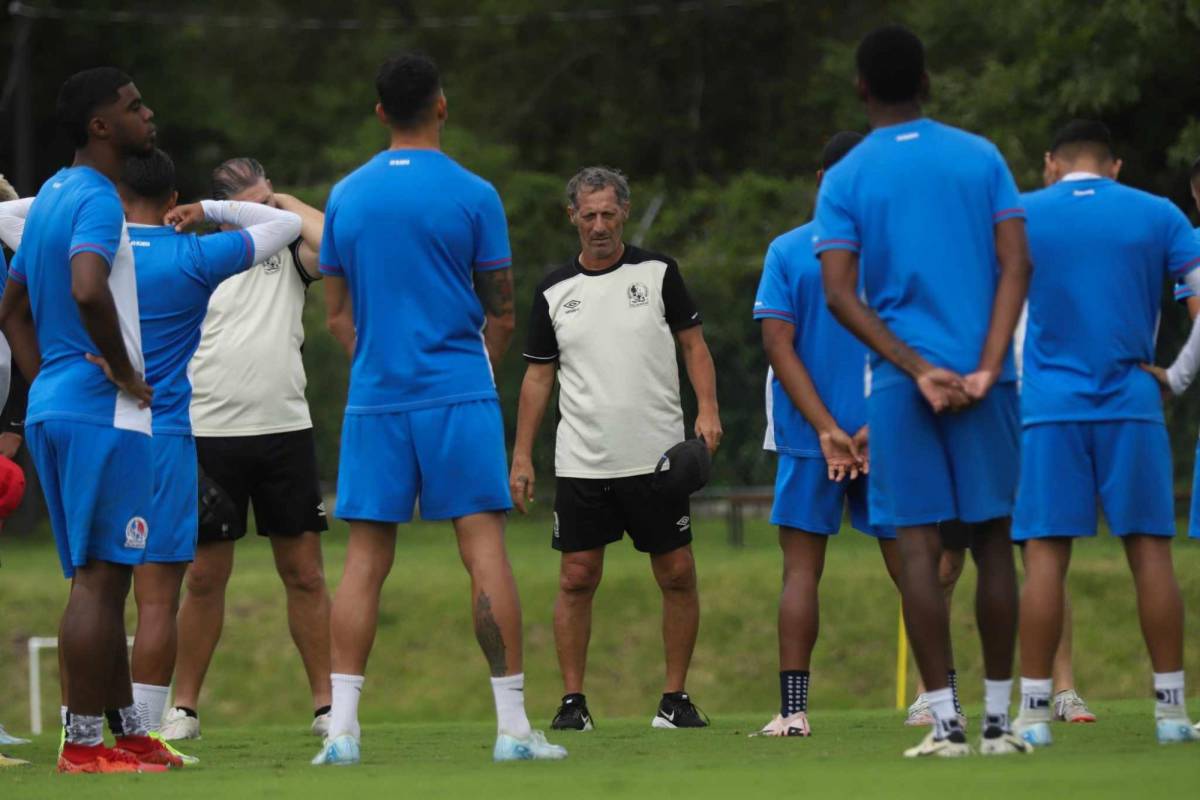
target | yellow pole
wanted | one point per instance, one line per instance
(901, 665)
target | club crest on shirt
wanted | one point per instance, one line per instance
(639, 295)
(272, 265)
(135, 533)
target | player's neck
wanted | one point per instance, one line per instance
(599, 265)
(138, 213)
(881, 115)
(427, 139)
(104, 160)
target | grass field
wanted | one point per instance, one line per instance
(427, 707)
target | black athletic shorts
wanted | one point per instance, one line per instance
(594, 512)
(276, 472)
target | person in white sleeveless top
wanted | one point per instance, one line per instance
(255, 444)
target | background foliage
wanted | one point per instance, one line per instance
(719, 108)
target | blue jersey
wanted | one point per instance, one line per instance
(1101, 252)
(177, 273)
(407, 231)
(78, 211)
(919, 202)
(791, 290)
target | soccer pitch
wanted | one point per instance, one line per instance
(852, 754)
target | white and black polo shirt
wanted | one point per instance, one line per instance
(611, 332)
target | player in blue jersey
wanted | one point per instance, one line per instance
(177, 273)
(931, 216)
(1092, 419)
(817, 423)
(410, 237)
(70, 313)
(1191, 301)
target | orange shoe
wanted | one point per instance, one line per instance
(98, 758)
(148, 751)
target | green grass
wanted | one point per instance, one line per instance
(852, 754)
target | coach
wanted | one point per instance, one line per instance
(607, 323)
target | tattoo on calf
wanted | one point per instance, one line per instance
(495, 290)
(490, 639)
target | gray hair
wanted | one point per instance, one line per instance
(235, 176)
(593, 179)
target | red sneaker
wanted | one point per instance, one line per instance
(98, 758)
(148, 751)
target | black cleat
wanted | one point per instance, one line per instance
(678, 711)
(573, 714)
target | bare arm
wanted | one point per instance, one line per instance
(89, 288)
(535, 396)
(1012, 251)
(839, 448)
(16, 321)
(339, 313)
(698, 362)
(495, 290)
(943, 389)
(312, 226)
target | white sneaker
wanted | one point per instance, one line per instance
(1036, 732)
(1069, 707)
(919, 714)
(8, 738)
(340, 752)
(795, 725)
(1175, 730)
(1002, 743)
(941, 748)
(320, 725)
(533, 747)
(178, 725)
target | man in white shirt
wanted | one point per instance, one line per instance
(255, 442)
(607, 324)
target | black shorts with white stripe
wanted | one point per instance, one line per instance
(594, 512)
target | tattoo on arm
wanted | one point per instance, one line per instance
(487, 632)
(495, 290)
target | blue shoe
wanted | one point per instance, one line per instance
(1172, 731)
(340, 752)
(533, 747)
(8, 738)
(1036, 733)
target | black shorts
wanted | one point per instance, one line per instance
(277, 472)
(594, 512)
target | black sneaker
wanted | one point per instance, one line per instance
(573, 714)
(678, 711)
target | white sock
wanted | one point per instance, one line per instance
(1168, 695)
(150, 701)
(346, 691)
(62, 715)
(945, 718)
(1035, 699)
(997, 695)
(510, 705)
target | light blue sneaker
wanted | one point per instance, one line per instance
(1036, 733)
(533, 747)
(8, 738)
(340, 752)
(1172, 731)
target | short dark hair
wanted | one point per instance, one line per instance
(150, 176)
(408, 84)
(83, 93)
(1080, 136)
(837, 147)
(891, 60)
(235, 176)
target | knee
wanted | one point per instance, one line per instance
(950, 568)
(579, 579)
(679, 575)
(205, 581)
(303, 578)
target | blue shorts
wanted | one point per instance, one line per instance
(175, 518)
(807, 500)
(1066, 466)
(1194, 516)
(453, 457)
(927, 467)
(99, 484)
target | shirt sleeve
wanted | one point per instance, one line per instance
(331, 263)
(1006, 200)
(98, 226)
(678, 308)
(222, 255)
(492, 250)
(1182, 245)
(773, 300)
(834, 226)
(541, 344)
(1182, 292)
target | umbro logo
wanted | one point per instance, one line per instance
(399, 162)
(138, 243)
(572, 306)
(683, 523)
(56, 185)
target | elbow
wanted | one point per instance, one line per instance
(835, 301)
(86, 295)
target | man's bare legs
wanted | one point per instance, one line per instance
(300, 566)
(579, 576)
(156, 592)
(675, 572)
(924, 604)
(201, 617)
(496, 606)
(1160, 604)
(799, 601)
